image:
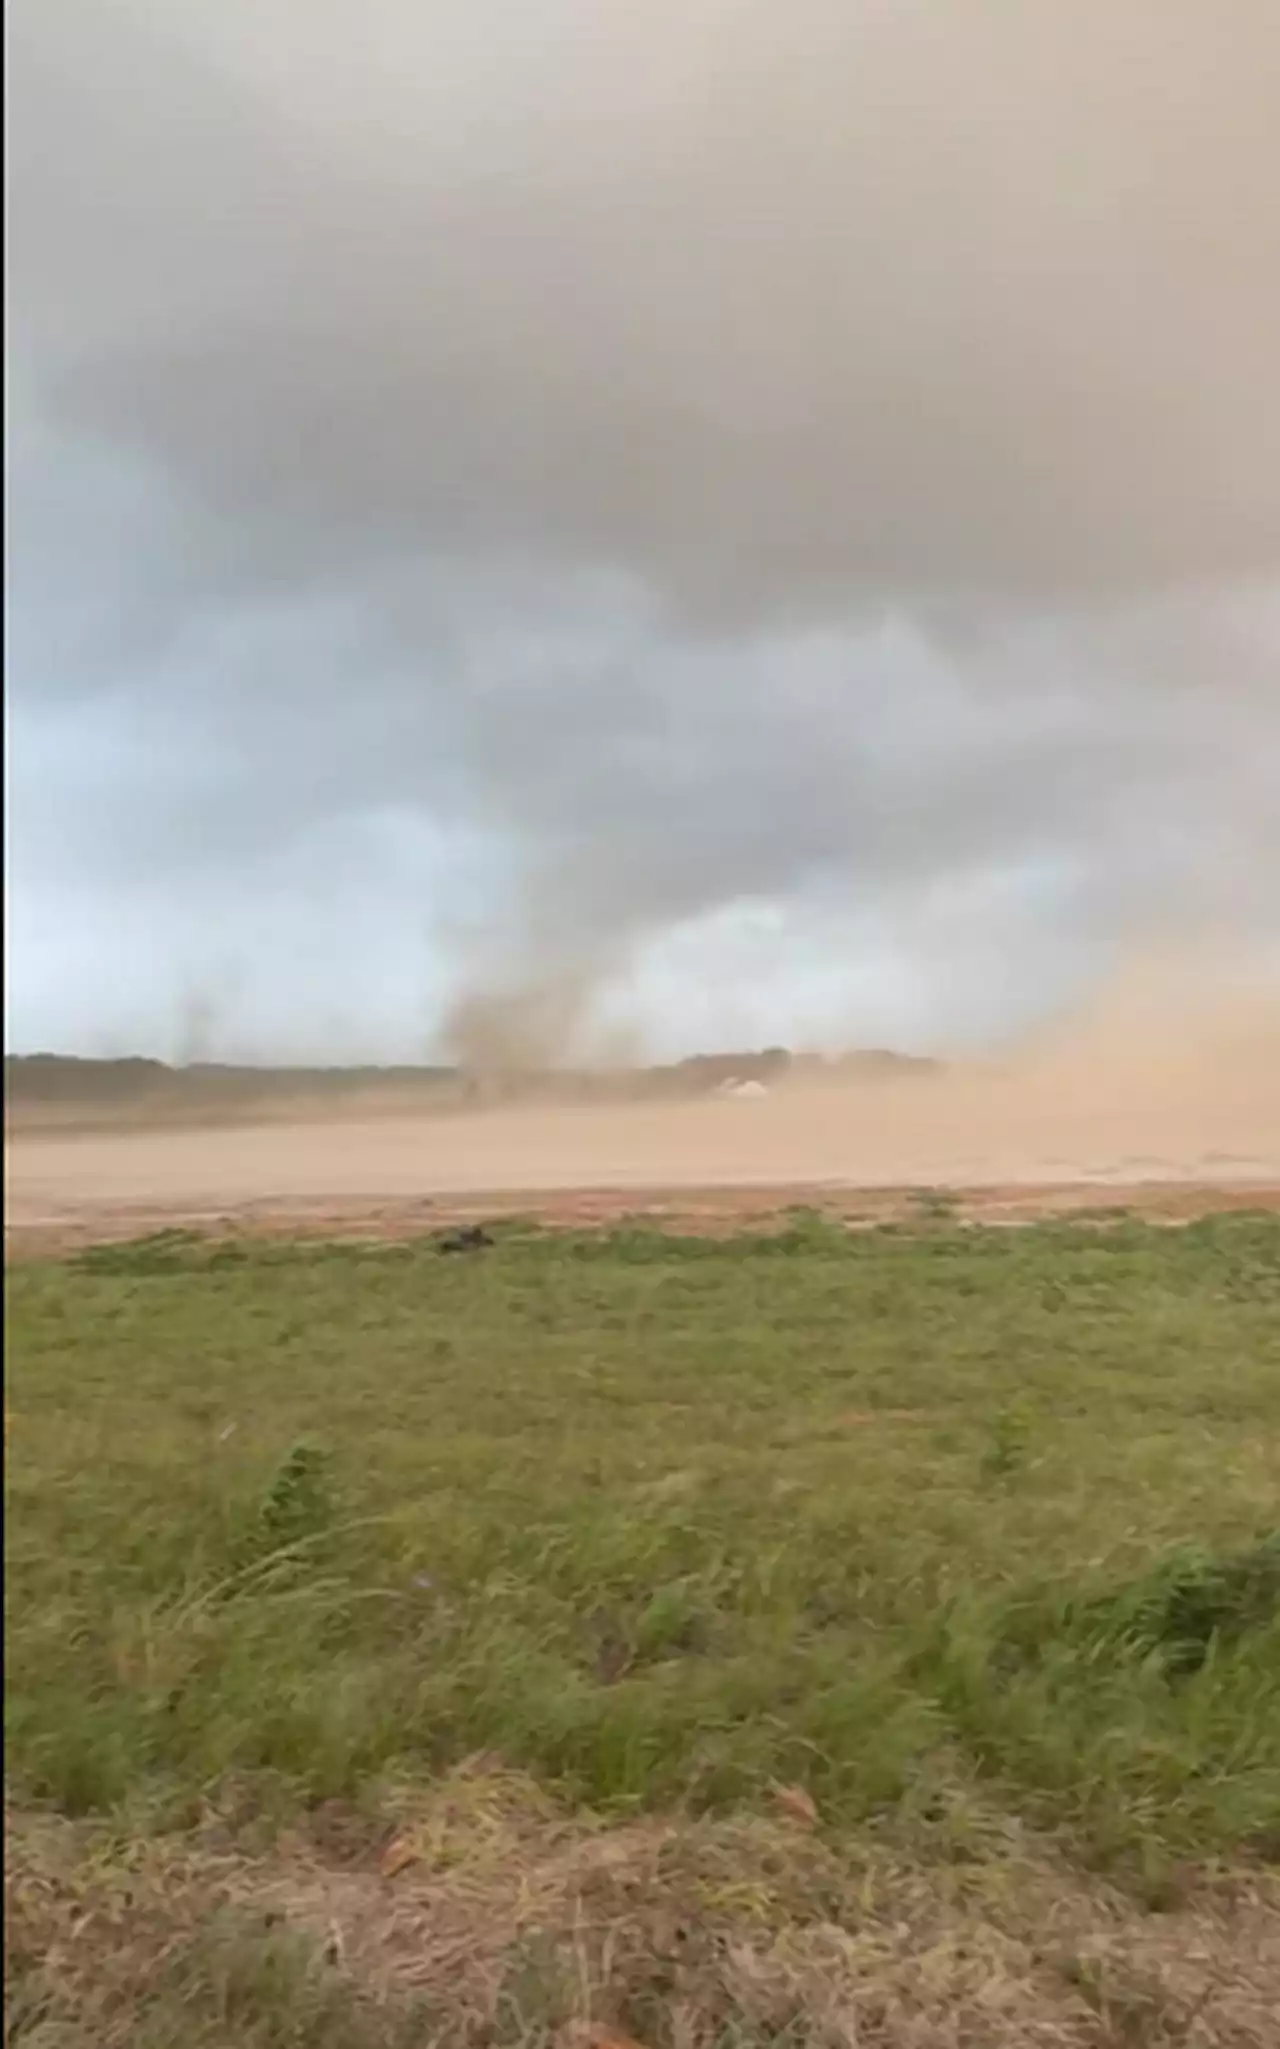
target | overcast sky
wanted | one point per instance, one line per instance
(730, 520)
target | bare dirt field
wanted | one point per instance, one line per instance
(1153, 1137)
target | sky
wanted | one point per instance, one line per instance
(581, 529)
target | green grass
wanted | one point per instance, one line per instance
(661, 1523)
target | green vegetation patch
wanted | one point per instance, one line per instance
(887, 1516)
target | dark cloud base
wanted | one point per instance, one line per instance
(560, 486)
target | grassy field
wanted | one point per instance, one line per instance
(865, 1637)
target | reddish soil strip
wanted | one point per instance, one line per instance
(710, 1211)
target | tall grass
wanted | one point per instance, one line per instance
(660, 1521)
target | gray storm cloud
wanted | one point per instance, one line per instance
(722, 453)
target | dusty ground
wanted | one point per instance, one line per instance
(1145, 1137)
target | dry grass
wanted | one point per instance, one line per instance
(478, 1914)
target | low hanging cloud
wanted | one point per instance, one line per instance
(685, 457)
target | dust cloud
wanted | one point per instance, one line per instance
(1173, 1078)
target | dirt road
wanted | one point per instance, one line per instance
(994, 1134)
